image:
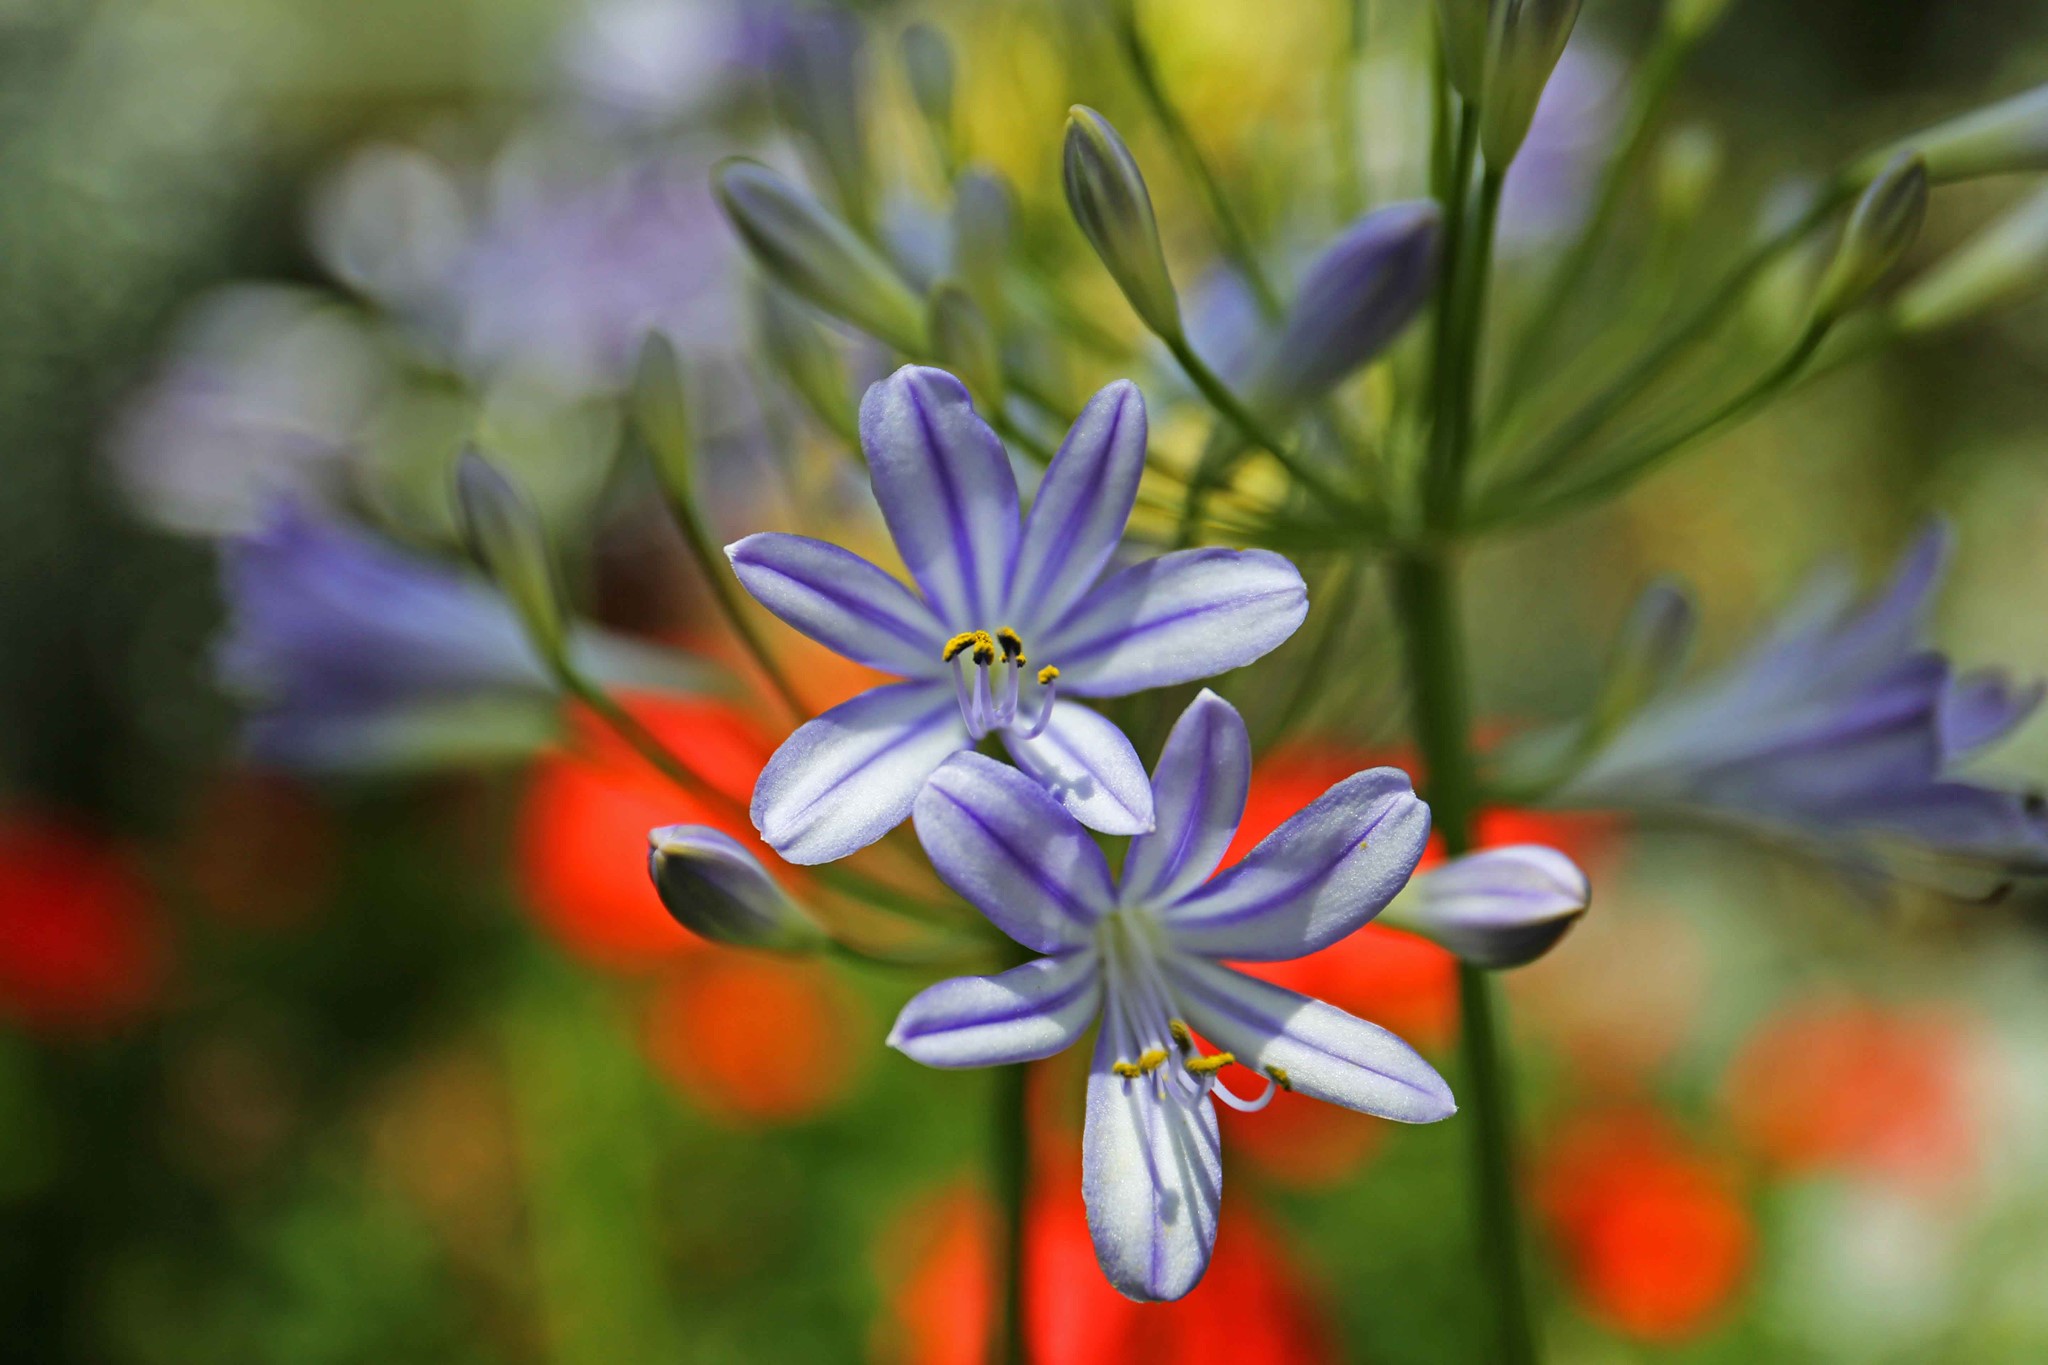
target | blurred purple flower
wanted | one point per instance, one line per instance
(265, 391)
(353, 654)
(989, 590)
(1838, 725)
(1146, 954)
(1500, 907)
(1550, 184)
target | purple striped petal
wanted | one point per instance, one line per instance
(1328, 870)
(1184, 616)
(1078, 515)
(840, 600)
(1001, 841)
(1501, 907)
(1152, 1180)
(1320, 1050)
(1198, 795)
(1089, 767)
(847, 778)
(1020, 1015)
(946, 491)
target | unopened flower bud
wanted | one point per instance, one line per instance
(1461, 30)
(965, 343)
(928, 63)
(1523, 43)
(817, 65)
(818, 256)
(1881, 227)
(800, 350)
(661, 412)
(505, 537)
(1356, 297)
(1688, 164)
(1999, 139)
(719, 891)
(1107, 194)
(1501, 907)
(2004, 261)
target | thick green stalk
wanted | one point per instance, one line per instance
(1425, 600)
(1010, 1167)
(1462, 338)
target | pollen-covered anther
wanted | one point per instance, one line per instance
(1209, 1066)
(1013, 645)
(1149, 1061)
(1279, 1078)
(1182, 1037)
(953, 646)
(1046, 675)
(984, 648)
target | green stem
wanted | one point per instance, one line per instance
(1230, 230)
(1250, 425)
(1457, 153)
(1424, 594)
(1010, 1169)
(717, 573)
(1349, 156)
(1652, 89)
(1458, 385)
(1652, 362)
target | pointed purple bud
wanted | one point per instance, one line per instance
(1366, 286)
(1502, 907)
(717, 890)
(1106, 191)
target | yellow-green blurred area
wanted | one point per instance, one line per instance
(411, 1068)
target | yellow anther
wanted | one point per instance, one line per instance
(1279, 1078)
(1151, 1059)
(1046, 675)
(1209, 1066)
(984, 648)
(1127, 1070)
(1013, 645)
(956, 644)
(1181, 1036)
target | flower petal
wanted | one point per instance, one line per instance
(1020, 1015)
(847, 778)
(1152, 1180)
(1328, 870)
(1320, 1050)
(946, 490)
(1979, 709)
(1090, 768)
(1499, 907)
(1078, 515)
(1183, 616)
(1198, 795)
(1002, 841)
(840, 600)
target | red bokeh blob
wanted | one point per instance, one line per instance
(1655, 1240)
(939, 1265)
(757, 1039)
(1846, 1085)
(583, 832)
(82, 950)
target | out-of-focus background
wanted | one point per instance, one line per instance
(410, 1066)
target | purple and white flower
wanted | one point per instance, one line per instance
(1145, 953)
(1499, 907)
(1839, 725)
(1009, 613)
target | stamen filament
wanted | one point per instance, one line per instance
(974, 732)
(1052, 694)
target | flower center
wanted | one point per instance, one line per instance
(988, 705)
(1154, 1045)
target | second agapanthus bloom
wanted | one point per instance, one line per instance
(1012, 615)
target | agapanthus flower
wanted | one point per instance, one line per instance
(354, 654)
(1840, 725)
(1145, 952)
(1011, 617)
